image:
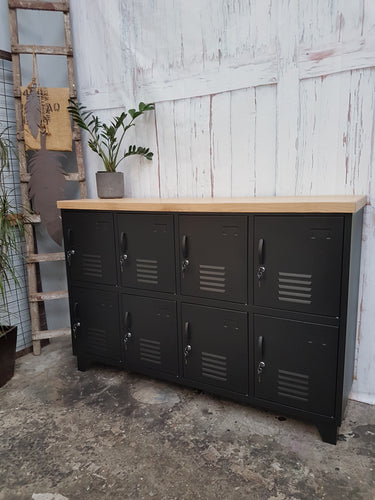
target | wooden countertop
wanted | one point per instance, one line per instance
(271, 204)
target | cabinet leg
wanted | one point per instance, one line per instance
(82, 364)
(328, 432)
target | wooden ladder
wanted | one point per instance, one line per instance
(36, 296)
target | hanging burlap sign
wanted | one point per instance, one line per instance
(45, 111)
(54, 102)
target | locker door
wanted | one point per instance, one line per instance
(95, 325)
(150, 334)
(146, 251)
(213, 256)
(300, 363)
(297, 263)
(215, 347)
(89, 247)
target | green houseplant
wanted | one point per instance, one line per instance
(106, 141)
(11, 228)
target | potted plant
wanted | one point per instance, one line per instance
(106, 141)
(11, 228)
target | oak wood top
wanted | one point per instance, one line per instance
(271, 204)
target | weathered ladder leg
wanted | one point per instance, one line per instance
(33, 258)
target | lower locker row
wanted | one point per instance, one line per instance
(248, 356)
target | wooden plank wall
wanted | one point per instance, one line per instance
(253, 97)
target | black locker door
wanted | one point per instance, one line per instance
(95, 325)
(300, 363)
(146, 246)
(297, 263)
(149, 329)
(213, 258)
(90, 247)
(215, 347)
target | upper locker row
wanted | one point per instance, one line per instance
(291, 262)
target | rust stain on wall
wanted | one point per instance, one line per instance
(318, 56)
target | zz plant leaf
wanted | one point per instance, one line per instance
(106, 139)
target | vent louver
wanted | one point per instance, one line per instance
(149, 351)
(92, 265)
(214, 366)
(295, 288)
(147, 271)
(96, 340)
(212, 278)
(293, 385)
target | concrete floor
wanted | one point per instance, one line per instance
(108, 434)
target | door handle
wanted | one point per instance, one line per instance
(128, 334)
(75, 310)
(261, 364)
(260, 348)
(127, 321)
(261, 267)
(187, 331)
(69, 255)
(123, 249)
(187, 335)
(69, 236)
(185, 252)
(76, 322)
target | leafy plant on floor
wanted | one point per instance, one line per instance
(106, 139)
(11, 228)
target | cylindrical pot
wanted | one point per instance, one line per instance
(8, 344)
(110, 184)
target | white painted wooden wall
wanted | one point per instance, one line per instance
(253, 97)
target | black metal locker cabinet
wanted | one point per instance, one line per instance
(297, 263)
(295, 363)
(215, 346)
(149, 333)
(146, 247)
(95, 325)
(89, 247)
(213, 257)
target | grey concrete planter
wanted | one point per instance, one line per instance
(110, 184)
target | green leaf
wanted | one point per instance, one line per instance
(105, 139)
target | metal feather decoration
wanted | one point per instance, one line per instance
(46, 186)
(33, 112)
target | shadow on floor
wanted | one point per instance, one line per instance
(109, 434)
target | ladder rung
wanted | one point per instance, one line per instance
(47, 334)
(38, 5)
(74, 176)
(41, 296)
(53, 50)
(17, 95)
(32, 218)
(45, 257)
(76, 133)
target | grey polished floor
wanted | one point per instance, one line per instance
(108, 434)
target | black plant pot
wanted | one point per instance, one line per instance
(8, 344)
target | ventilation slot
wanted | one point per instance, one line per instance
(92, 265)
(147, 271)
(214, 366)
(96, 341)
(295, 288)
(293, 385)
(212, 278)
(149, 351)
